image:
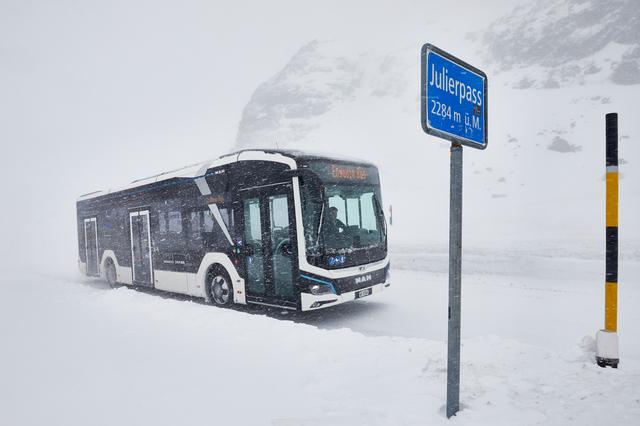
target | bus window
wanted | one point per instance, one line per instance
(204, 230)
(368, 212)
(358, 219)
(253, 242)
(281, 246)
(207, 222)
(353, 211)
(278, 208)
(339, 203)
(196, 225)
(170, 222)
(227, 217)
(174, 222)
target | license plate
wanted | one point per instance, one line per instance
(363, 293)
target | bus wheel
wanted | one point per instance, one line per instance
(219, 288)
(110, 274)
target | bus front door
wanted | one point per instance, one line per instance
(269, 238)
(141, 263)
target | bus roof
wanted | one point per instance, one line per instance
(308, 155)
(286, 156)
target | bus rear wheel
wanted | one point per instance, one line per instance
(110, 274)
(219, 288)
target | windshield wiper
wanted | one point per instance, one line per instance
(384, 223)
(320, 224)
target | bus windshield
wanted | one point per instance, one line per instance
(342, 214)
(352, 219)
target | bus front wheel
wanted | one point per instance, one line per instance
(219, 288)
(110, 274)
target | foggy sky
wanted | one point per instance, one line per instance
(95, 94)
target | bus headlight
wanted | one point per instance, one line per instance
(318, 289)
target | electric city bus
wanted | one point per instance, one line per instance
(273, 227)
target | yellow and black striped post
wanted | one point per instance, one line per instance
(611, 280)
(607, 339)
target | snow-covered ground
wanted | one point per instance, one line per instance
(97, 95)
(77, 352)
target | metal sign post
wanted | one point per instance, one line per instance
(454, 107)
(455, 281)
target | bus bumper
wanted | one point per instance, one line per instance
(310, 302)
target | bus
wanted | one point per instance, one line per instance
(281, 228)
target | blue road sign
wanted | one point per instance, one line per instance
(454, 98)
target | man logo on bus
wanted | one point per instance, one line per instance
(363, 279)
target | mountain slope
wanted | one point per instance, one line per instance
(542, 174)
(570, 42)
